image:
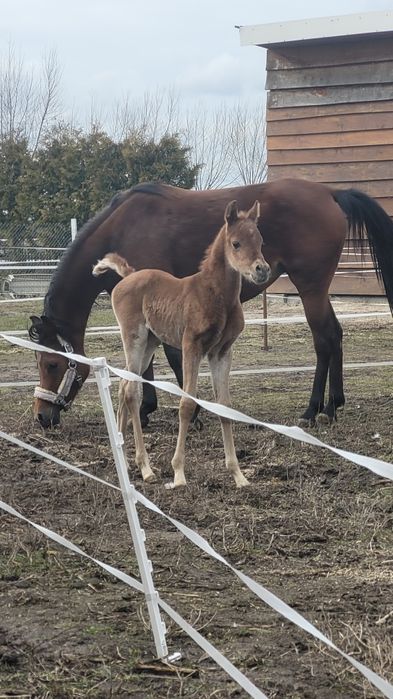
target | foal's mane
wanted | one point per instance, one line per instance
(63, 269)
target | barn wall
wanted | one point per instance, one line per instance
(330, 114)
(330, 120)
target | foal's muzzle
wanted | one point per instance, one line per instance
(260, 273)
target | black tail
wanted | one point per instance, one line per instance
(365, 215)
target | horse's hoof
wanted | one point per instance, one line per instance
(198, 424)
(144, 421)
(324, 420)
(305, 422)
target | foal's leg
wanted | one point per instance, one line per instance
(220, 368)
(174, 357)
(327, 336)
(192, 355)
(130, 400)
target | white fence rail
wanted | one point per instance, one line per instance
(131, 496)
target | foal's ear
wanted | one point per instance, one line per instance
(231, 213)
(255, 211)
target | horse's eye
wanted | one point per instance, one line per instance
(52, 366)
(236, 244)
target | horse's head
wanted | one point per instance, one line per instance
(60, 377)
(243, 243)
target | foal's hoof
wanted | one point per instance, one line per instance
(172, 485)
(242, 482)
(150, 477)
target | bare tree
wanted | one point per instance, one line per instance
(153, 116)
(248, 142)
(47, 96)
(27, 103)
(207, 133)
(228, 143)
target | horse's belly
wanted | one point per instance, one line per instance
(169, 332)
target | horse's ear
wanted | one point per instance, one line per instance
(34, 330)
(41, 328)
(231, 213)
(255, 211)
(35, 320)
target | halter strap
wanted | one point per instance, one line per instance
(60, 397)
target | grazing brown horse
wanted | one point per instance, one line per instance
(158, 226)
(200, 314)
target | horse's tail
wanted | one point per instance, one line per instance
(366, 216)
(115, 262)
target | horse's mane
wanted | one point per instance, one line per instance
(85, 232)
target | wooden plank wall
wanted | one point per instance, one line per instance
(330, 120)
(330, 114)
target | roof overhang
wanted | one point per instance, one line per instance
(316, 29)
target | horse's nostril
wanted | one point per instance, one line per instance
(261, 268)
(43, 420)
(48, 420)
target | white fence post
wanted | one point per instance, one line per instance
(74, 228)
(130, 500)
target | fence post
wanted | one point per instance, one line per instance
(74, 228)
(265, 345)
(128, 491)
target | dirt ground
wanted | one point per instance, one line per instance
(314, 529)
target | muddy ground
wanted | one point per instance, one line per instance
(314, 529)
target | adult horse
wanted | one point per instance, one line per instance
(159, 226)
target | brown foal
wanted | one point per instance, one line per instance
(200, 314)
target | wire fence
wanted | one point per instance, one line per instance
(29, 253)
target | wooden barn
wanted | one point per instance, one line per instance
(330, 114)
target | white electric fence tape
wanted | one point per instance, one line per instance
(215, 654)
(259, 590)
(379, 467)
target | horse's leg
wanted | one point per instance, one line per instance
(220, 368)
(192, 355)
(327, 336)
(149, 400)
(174, 357)
(129, 401)
(336, 398)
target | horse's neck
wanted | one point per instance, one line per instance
(220, 273)
(69, 305)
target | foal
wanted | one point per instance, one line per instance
(200, 314)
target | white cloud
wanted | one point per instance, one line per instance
(221, 75)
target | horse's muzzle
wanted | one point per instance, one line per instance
(48, 416)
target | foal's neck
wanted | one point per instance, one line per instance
(220, 273)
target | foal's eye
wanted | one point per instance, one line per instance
(236, 244)
(52, 366)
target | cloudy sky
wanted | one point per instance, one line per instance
(108, 49)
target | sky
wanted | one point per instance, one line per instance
(108, 50)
